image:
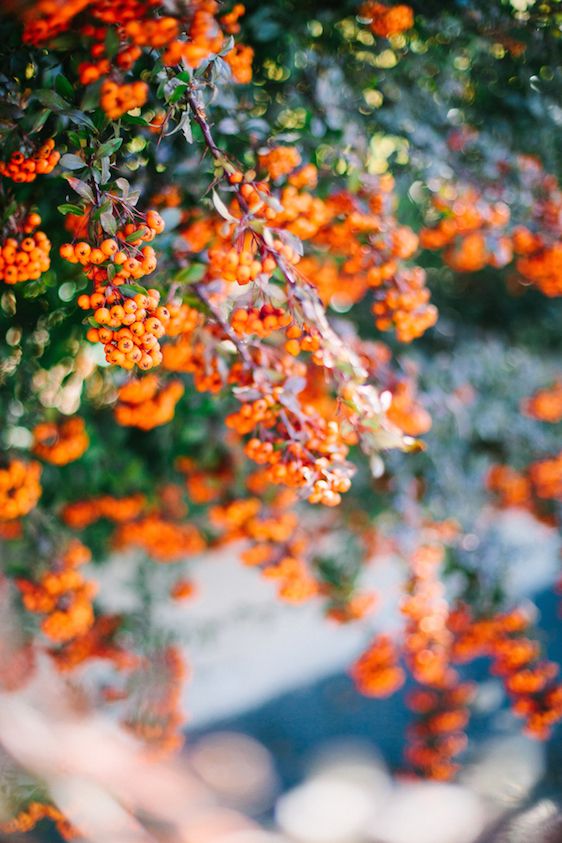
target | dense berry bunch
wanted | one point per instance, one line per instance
(25, 255)
(438, 736)
(26, 169)
(145, 404)
(20, 488)
(546, 404)
(129, 331)
(377, 672)
(80, 514)
(469, 228)
(60, 443)
(62, 595)
(387, 20)
(27, 819)
(529, 679)
(118, 259)
(161, 538)
(117, 99)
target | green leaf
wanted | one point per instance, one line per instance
(109, 147)
(177, 94)
(191, 274)
(105, 169)
(221, 208)
(81, 119)
(52, 100)
(130, 120)
(68, 208)
(63, 86)
(134, 236)
(111, 271)
(112, 43)
(76, 138)
(108, 222)
(81, 188)
(39, 121)
(131, 290)
(72, 162)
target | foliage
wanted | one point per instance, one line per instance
(210, 275)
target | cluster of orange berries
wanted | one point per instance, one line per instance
(530, 680)
(546, 404)
(27, 819)
(387, 20)
(438, 734)
(274, 547)
(143, 404)
(542, 479)
(241, 263)
(310, 456)
(204, 486)
(280, 161)
(61, 443)
(26, 256)
(538, 263)
(546, 478)
(62, 595)
(192, 40)
(127, 259)
(26, 169)
(129, 332)
(538, 249)
(261, 321)
(117, 99)
(470, 229)
(405, 412)
(46, 19)
(267, 319)
(160, 538)
(377, 672)
(347, 609)
(80, 514)
(409, 311)
(196, 358)
(511, 486)
(20, 488)
(98, 642)
(362, 247)
(427, 640)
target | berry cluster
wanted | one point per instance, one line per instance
(303, 452)
(26, 169)
(80, 514)
(280, 161)
(408, 312)
(144, 404)
(33, 813)
(20, 488)
(26, 255)
(438, 735)
(61, 443)
(546, 404)
(261, 321)
(470, 229)
(62, 595)
(119, 259)
(529, 679)
(386, 21)
(377, 672)
(116, 100)
(160, 538)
